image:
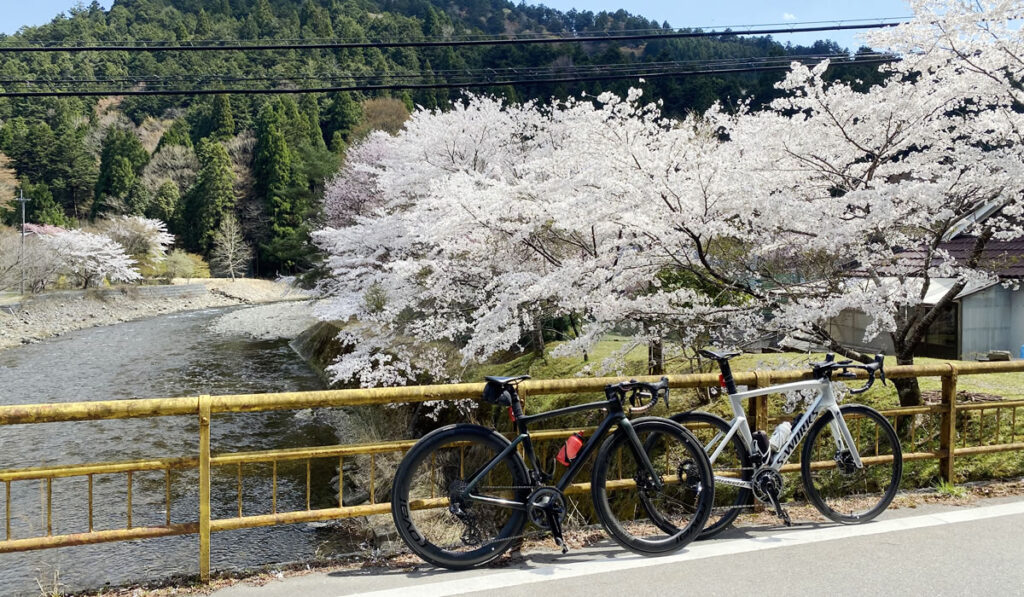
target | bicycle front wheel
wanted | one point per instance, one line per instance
(836, 487)
(646, 515)
(434, 514)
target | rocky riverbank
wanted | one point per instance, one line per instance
(48, 315)
(279, 321)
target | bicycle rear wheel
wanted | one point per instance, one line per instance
(837, 488)
(637, 513)
(427, 504)
(733, 462)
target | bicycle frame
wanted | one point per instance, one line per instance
(825, 400)
(616, 416)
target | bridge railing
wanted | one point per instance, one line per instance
(961, 430)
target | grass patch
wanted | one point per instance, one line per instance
(947, 489)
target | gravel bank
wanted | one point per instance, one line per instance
(267, 322)
(43, 317)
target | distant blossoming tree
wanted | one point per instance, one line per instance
(90, 258)
(142, 238)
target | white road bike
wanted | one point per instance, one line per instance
(851, 462)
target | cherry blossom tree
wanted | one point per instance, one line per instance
(353, 191)
(90, 258)
(717, 228)
(145, 239)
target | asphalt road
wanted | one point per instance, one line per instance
(931, 550)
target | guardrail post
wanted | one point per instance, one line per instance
(947, 433)
(757, 407)
(204, 488)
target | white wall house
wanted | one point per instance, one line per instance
(983, 318)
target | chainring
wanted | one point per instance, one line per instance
(538, 503)
(766, 483)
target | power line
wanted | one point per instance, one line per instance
(554, 79)
(235, 45)
(497, 71)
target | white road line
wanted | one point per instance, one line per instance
(696, 551)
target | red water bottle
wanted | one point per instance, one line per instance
(570, 449)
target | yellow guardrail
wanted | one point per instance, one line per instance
(205, 407)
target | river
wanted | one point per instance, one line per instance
(167, 356)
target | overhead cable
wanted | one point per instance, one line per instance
(390, 86)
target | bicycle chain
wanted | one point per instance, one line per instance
(544, 532)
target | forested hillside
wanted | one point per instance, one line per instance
(192, 160)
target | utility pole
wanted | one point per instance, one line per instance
(21, 256)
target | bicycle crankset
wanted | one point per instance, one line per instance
(546, 508)
(767, 485)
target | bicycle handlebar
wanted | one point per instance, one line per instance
(636, 391)
(873, 368)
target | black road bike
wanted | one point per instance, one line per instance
(463, 494)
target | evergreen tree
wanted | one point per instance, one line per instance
(310, 107)
(342, 115)
(41, 208)
(164, 205)
(272, 159)
(202, 24)
(121, 161)
(222, 121)
(211, 197)
(176, 134)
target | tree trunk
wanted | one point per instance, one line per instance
(537, 338)
(656, 357)
(907, 387)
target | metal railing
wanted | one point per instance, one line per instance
(926, 440)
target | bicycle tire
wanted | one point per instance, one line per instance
(729, 499)
(427, 475)
(634, 514)
(859, 494)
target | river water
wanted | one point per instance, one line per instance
(167, 356)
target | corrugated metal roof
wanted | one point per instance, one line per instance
(938, 287)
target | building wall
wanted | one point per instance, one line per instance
(1016, 321)
(987, 322)
(992, 319)
(848, 328)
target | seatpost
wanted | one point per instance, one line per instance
(726, 377)
(517, 409)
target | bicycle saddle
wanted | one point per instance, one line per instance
(719, 356)
(506, 380)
